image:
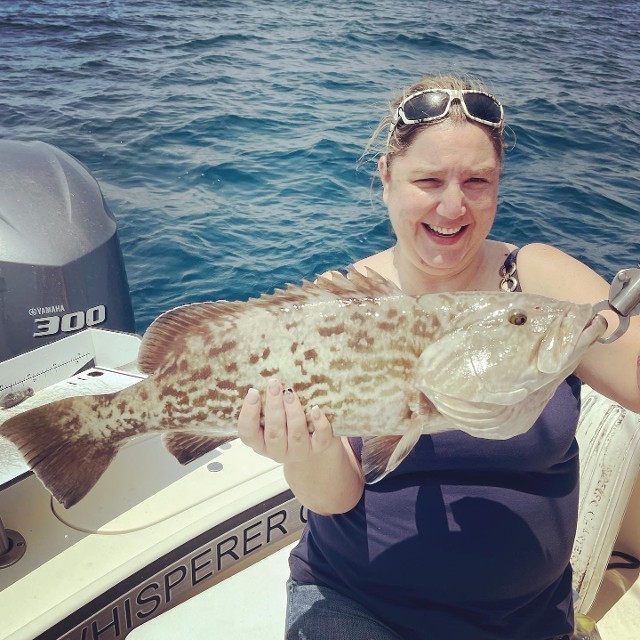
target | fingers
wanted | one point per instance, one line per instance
(298, 437)
(284, 435)
(275, 422)
(249, 428)
(322, 432)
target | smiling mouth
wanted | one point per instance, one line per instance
(444, 232)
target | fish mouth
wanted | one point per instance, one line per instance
(595, 328)
(556, 355)
(444, 233)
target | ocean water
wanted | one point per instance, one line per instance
(225, 135)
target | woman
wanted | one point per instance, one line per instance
(467, 538)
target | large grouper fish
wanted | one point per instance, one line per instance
(383, 365)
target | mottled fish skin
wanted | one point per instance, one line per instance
(358, 347)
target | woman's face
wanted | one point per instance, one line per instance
(442, 196)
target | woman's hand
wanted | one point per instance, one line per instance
(284, 434)
(321, 468)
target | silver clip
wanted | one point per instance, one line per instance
(624, 300)
(508, 282)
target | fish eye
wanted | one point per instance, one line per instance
(518, 318)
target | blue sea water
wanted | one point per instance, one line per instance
(225, 135)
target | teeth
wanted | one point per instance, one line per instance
(443, 231)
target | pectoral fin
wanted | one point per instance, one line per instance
(382, 454)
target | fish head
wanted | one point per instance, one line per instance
(499, 353)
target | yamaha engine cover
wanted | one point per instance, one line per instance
(61, 265)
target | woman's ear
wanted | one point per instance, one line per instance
(383, 170)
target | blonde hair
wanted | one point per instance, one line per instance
(381, 143)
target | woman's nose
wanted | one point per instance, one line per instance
(451, 203)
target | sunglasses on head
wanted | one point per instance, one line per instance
(431, 105)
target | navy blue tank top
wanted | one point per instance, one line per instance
(466, 539)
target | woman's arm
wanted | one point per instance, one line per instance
(610, 369)
(321, 469)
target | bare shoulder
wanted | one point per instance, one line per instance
(548, 271)
(381, 263)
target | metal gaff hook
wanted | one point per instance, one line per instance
(624, 300)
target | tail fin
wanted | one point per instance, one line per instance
(66, 456)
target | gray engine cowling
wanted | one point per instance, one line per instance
(61, 265)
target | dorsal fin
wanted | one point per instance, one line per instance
(159, 340)
(163, 336)
(355, 284)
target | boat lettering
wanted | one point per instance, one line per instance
(203, 566)
(67, 323)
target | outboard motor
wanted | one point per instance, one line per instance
(61, 265)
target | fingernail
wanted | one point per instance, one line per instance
(253, 396)
(315, 412)
(274, 387)
(288, 395)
